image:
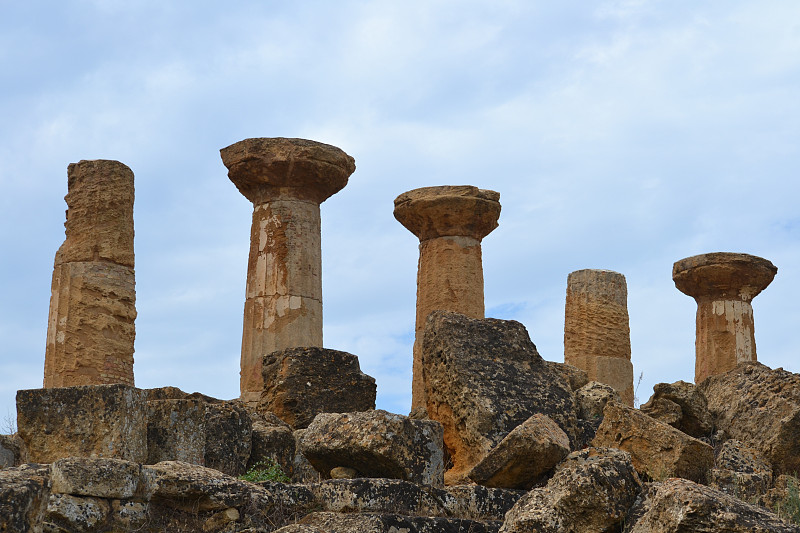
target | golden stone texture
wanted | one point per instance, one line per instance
(286, 180)
(91, 331)
(723, 285)
(596, 329)
(450, 222)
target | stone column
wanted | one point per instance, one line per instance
(450, 222)
(723, 284)
(287, 180)
(90, 330)
(596, 331)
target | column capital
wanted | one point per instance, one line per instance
(723, 276)
(267, 168)
(449, 210)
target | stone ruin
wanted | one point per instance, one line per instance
(499, 440)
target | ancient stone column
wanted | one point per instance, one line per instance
(90, 330)
(596, 331)
(287, 180)
(723, 284)
(450, 222)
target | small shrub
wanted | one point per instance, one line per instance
(266, 470)
(789, 508)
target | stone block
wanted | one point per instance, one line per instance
(176, 431)
(483, 378)
(228, 437)
(591, 491)
(300, 383)
(740, 471)
(11, 451)
(99, 477)
(24, 493)
(760, 407)
(376, 444)
(524, 456)
(592, 399)
(678, 505)
(657, 449)
(88, 421)
(273, 442)
(77, 514)
(691, 415)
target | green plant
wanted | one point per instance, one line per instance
(789, 507)
(265, 470)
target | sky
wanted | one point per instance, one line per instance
(621, 135)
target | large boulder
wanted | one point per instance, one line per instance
(376, 444)
(228, 438)
(760, 407)
(592, 490)
(86, 421)
(101, 478)
(176, 430)
(592, 399)
(740, 471)
(657, 449)
(482, 379)
(524, 456)
(300, 383)
(24, 493)
(682, 406)
(679, 505)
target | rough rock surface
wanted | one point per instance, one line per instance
(592, 399)
(302, 470)
(11, 449)
(760, 407)
(376, 444)
(176, 431)
(90, 329)
(524, 456)
(228, 437)
(273, 442)
(87, 421)
(300, 383)
(691, 416)
(679, 505)
(592, 490)
(656, 449)
(382, 523)
(740, 471)
(576, 377)
(24, 492)
(483, 378)
(100, 477)
(75, 513)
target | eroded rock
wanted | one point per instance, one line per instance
(740, 471)
(75, 513)
(101, 477)
(691, 415)
(24, 493)
(228, 439)
(592, 399)
(376, 444)
(656, 449)
(176, 431)
(484, 378)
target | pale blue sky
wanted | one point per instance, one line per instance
(620, 134)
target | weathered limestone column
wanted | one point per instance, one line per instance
(723, 284)
(287, 180)
(450, 222)
(90, 330)
(596, 330)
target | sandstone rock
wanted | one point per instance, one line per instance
(381, 523)
(24, 492)
(128, 515)
(275, 443)
(287, 180)
(576, 377)
(100, 477)
(694, 417)
(228, 439)
(10, 450)
(302, 470)
(69, 513)
(197, 488)
(484, 378)
(89, 421)
(524, 456)
(343, 472)
(761, 408)
(740, 471)
(591, 491)
(220, 519)
(376, 444)
(91, 330)
(300, 383)
(176, 431)
(478, 502)
(592, 399)
(678, 505)
(656, 449)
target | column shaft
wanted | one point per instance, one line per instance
(725, 336)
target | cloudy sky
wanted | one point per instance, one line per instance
(620, 134)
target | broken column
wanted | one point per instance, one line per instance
(450, 222)
(723, 284)
(90, 329)
(287, 180)
(596, 330)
